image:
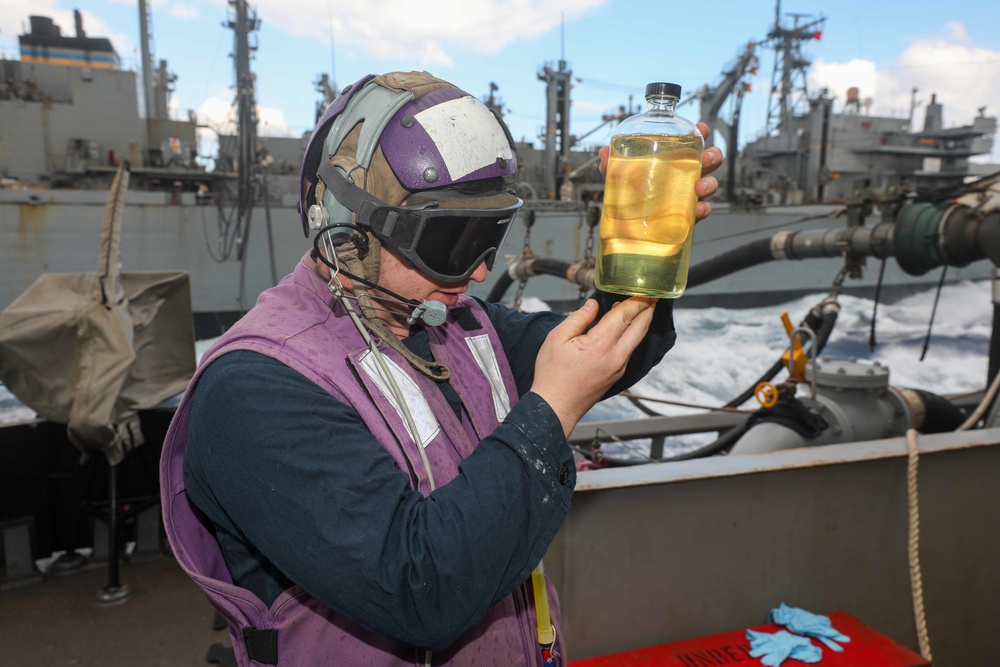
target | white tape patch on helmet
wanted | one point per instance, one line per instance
(466, 134)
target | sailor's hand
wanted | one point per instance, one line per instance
(706, 186)
(575, 366)
(711, 159)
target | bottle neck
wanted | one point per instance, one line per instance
(662, 105)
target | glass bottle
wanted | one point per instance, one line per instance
(647, 222)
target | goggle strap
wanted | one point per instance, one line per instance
(347, 193)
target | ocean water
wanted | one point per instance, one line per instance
(720, 352)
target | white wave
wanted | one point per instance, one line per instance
(720, 352)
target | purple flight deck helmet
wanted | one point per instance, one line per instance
(422, 142)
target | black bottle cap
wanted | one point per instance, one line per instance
(660, 88)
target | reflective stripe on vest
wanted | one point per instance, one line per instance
(426, 422)
(485, 356)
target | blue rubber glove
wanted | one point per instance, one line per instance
(773, 649)
(809, 624)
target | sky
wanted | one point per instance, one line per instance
(612, 47)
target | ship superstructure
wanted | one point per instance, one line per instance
(69, 114)
(812, 152)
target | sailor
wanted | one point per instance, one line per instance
(368, 467)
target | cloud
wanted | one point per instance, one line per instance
(432, 34)
(962, 76)
(838, 77)
(184, 11)
(218, 116)
(957, 32)
(271, 122)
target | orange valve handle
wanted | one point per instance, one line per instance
(795, 358)
(766, 394)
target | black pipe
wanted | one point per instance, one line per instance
(539, 266)
(737, 259)
(994, 364)
(721, 444)
(500, 287)
(940, 414)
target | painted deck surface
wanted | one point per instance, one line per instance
(57, 621)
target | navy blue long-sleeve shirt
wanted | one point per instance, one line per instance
(301, 493)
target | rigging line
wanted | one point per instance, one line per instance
(227, 226)
(244, 257)
(624, 443)
(930, 324)
(628, 394)
(270, 233)
(208, 243)
(878, 292)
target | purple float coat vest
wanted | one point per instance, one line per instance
(299, 324)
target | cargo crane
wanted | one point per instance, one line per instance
(711, 100)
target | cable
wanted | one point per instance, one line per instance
(714, 408)
(980, 410)
(335, 267)
(337, 290)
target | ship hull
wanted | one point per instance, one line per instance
(649, 554)
(60, 230)
(659, 553)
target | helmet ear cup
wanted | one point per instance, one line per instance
(338, 214)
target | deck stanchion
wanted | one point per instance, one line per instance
(114, 591)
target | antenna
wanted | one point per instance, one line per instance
(333, 60)
(562, 35)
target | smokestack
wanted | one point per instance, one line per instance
(934, 116)
(78, 19)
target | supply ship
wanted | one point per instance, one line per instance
(882, 506)
(68, 115)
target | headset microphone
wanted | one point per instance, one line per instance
(432, 313)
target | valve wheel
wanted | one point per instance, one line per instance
(766, 394)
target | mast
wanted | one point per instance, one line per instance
(146, 38)
(557, 101)
(242, 25)
(788, 81)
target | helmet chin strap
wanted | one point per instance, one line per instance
(430, 312)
